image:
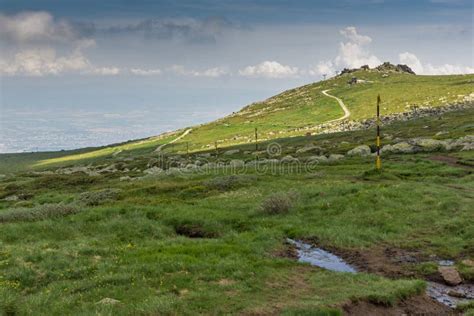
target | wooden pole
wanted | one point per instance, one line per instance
(187, 149)
(378, 162)
(256, 140)
(217, 151)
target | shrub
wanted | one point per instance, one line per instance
(278, 203)
(94, 198)
(227, 183)
(39, 212)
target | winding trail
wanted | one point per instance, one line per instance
(186, 132)
(347, 113)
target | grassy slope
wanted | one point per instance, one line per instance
(127, 248)
(277, 116)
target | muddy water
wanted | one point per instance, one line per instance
(450, 296)
(319, 257)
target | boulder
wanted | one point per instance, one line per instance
(335, 157)
(153, 170)
(237, 163)
(399, 148)
(289, 159)
(428, 144)
(231, 152)
(310, 148)
(468, 262)
(318, 158)
(450, 275)
(362, 150)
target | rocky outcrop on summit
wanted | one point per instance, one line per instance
(385, 67)
(388, 67)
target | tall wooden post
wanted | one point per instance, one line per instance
(256, 140)
(217, 150)
(378, 162)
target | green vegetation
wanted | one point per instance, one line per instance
(117, 242)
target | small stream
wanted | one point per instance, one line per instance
(450, 296)
(319, 257)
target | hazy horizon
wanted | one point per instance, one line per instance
(88, 74)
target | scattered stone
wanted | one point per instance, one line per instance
(237, 163)
(318, 158)
(231, 152)
(468, 262)
(450, 275)
(362, 150)
(12, 198)
(310, 148)
(153, 170)
(335, 157)
(289, 159)
(125, 178)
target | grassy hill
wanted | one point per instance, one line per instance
(119, 241)
(280, 115)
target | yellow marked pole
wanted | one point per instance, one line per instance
(378, 162)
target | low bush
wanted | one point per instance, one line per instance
(279, 203)
(37, 213)
(226, 183)
(94, 198)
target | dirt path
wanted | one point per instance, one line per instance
(186, 132)
(347, 113)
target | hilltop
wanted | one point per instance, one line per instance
(299, 111)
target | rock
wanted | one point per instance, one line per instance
(335, 157)
(153, 170)
(468, 262)
(237, 163)
(231, 152)
(456, 294)
(468, 147)
(289, 159)
(12, 198)
(108, 301)
(399, 148)
(450, 275)
(310, 148)
(428, 144)
(318, 158)
(362, 150)
(205, 155)
(125, 178)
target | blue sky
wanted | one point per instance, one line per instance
(85, 67)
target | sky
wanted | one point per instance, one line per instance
(81, 73)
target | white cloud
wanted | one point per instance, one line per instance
(211, 72)
(411, 61)
(428, 69)
(352, 54)
(269, 69)
(44, 61)
(35, 26)
(103, 71)
(145, 72)
(40, 62)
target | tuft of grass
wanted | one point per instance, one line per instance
(37, 213)
(226, 183)
(278, 203)
(94, 198)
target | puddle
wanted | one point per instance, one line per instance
(450, 296)
(319, 257)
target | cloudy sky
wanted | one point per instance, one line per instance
(82, 72)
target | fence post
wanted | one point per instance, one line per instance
(256, 140)
(378, 162)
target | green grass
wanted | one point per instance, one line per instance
(201, 243)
